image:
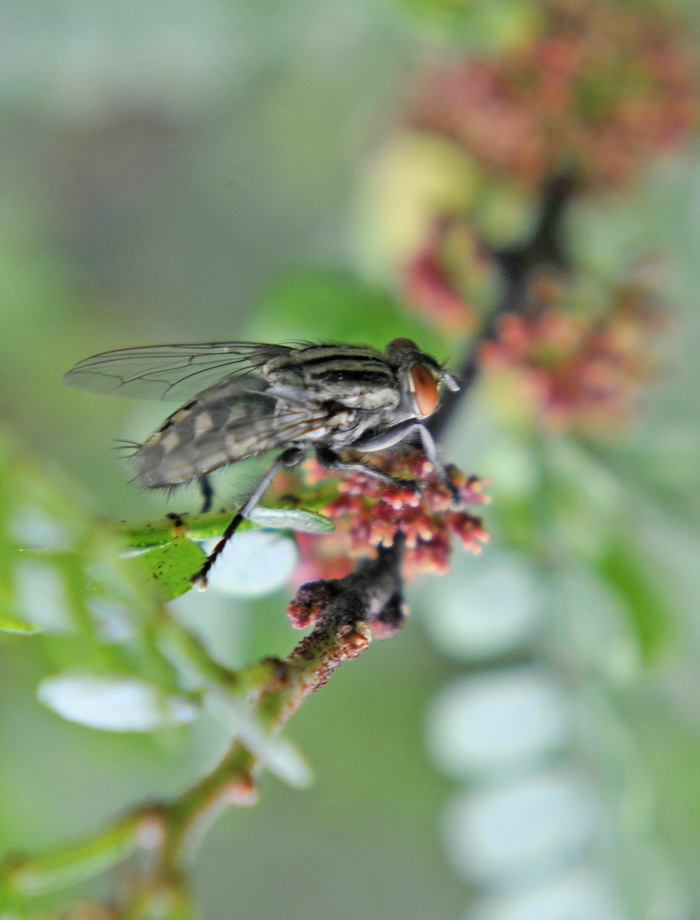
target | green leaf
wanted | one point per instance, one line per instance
(40, 590)
(297, 519)
(484, 25)
(167, 569)
(254, 563)
(113, 702)
(9, 622)
(626, 572)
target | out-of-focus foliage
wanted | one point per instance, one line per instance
(544, 816)
(186, 173)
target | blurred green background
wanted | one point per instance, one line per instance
(163, 166)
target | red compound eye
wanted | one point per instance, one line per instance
(404, 343)
(425, 390)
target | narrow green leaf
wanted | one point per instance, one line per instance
(113, 702)
(298, 519)
(277, 754)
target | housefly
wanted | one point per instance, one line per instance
(244, 398)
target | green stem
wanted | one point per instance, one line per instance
(231, 782)
(277, 689)
(86, 858)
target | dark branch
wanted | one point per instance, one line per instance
(517, 263)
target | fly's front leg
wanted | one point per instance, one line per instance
(431, 452)
(397, 433)
(332, 461)
(290, 457)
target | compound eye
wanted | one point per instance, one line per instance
(425, 390)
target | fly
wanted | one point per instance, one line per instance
(246, 398)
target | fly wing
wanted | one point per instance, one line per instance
(229, 421)
(169, 372)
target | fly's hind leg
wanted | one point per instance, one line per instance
(289, 457)
(205, 487)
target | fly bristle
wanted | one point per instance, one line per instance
(167, 490)
(129, 447)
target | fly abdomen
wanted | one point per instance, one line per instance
(203, 436)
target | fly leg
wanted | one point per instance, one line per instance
(374, 441)
(332, 461)
(290, 457)
(205, 487)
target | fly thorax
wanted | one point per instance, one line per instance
(343, 420)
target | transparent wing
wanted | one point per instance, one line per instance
(204, 437)
(169, 372)
(246, 440)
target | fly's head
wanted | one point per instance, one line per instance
(420, 376)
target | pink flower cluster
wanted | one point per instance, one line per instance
(370, 513)
(580, 372)
(448, 276)
(599, 89)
